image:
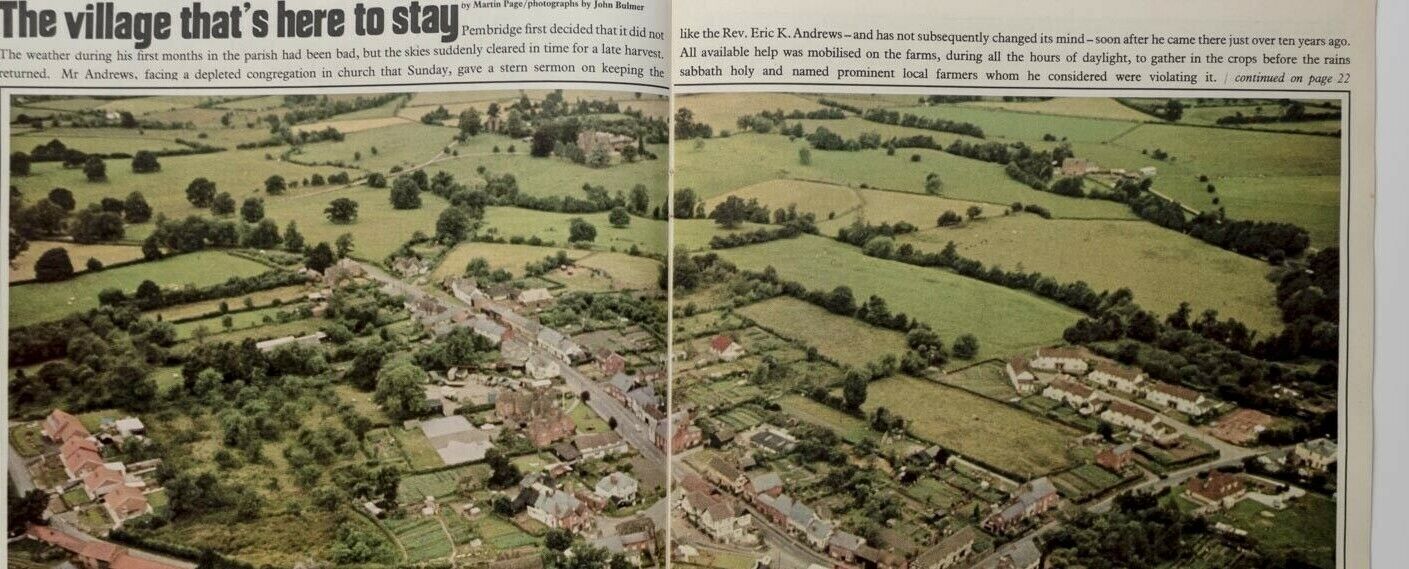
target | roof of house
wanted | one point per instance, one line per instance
(617, 483)
(62, 425)
(535, 295)
(623, 382)
(720, 343)
(957, 541)
(1115, 369)
(126, 500)
(722, 509)
(772, 441)
(1065, 353)
(724, 468)
(1022, 553)
(557, 503)
(444, 426)
(765, 481)
(565, 451)
(1072, 387)
(1131, 411)
(484, 325)
(1019, 364)
(1324, 447)
(1176, 391)
(594, 441)
(1216, 486)
(846, 540)
(644, 396)
(456, 440)
(100, 477)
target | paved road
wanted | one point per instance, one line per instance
(19, 472)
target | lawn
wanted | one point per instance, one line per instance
(988, 379)
(993, 433)
(23, 265)
(1004, 320)
(27, 439)
(418, 449)
(649, 235)
(587, 421)
(846, 340)
(719, 166)
(41, 302)
(1162, 267)
(1307, 525)
(505, 256)
(239, 321)
(852, 429)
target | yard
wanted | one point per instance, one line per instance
(852, 429)
(993, 433)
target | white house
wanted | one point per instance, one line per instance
(1067, 359)
(1186, 400)
(1118, 377)
(542, 367)
(618, 488)
(1143, 422)
(1318, 454)
(1020, 375)
(1065, 389)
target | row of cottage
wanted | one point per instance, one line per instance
(79, 451)
(1070, 363)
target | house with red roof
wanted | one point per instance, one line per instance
(102, 480)
(80, 456)
(125, 503)
(725, 348)
(60, 427)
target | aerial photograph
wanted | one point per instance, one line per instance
(346, 329)
(932, 332)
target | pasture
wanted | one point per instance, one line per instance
(22, 266)
(722, 110)
(1004, 320)
(407, 144)
(505, 256)
(1162, 267)
(1088, 107)
(41, 302)
(846, 340)
(852, 429)
(547, 177)
(379, 229)
(993, 433)
(647, 234)
(624, 272)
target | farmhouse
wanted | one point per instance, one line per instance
(949, 552)
(1078, 167)
(1115, 376)
(60, 427)
(125, 503)
(1217, 488)
(725, 348)
(618, 488)
(1069, 359)
(1140, 421)
(1116, 458)
(1066, 390)
(1020, 375)
(464, 289)
(1033, 499)
(597, 445)
(1185, 400)
(535, 297)
(1317, 455)
(558, 509)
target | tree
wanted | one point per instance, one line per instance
(453, 225)
(965, 347)
(148, 291)
(579, 231)
(401, 390)
(502, 472)
(933, 184)
(95, 169)
(558, 539)
(151, 248)
(405, 193)
(293, 240)
(618, 217)
(730, 213)
(376, 180)
(542, 144)
(53, 265)
(599, 157)
(974, 211)
(93, 225)
(61, 197)
(804, 156)
(252, 210)
(1173, 110)
(853, 391)
(341, 210)
(135, 209)
(344, 245)
(145, 162)
(25, 509)
(200, 192)
(265, 235)
(19, 165)
(684, 203)
(639, 200)
(948, 218)
(223, 204)
(470, 123)
(275, 185)
(320, 257)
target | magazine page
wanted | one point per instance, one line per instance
(327, 284)
(1013, 284)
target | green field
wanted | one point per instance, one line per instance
(836, 206)
(100, 140)
(852, 429)
(238, 321)
(406, 145)
(49, 301)
(1005, 320)
(499, 256)
(1162, 267)
(1090, 107)
(625, 272)
(846, 340)
(379, 229)
(22, 266)
(993, 433)
(647, 234)
(1307, 525)
(724, 165)
(1008, 126)
(546, 177)
(422, 536)
(722, 111)
(988, 379)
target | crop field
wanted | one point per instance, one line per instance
(625, 272)
(419, 452)
(276, 540)
(407, 145)
(22, 266)
(852, 429)
(505, 256)
(821, 200)
(721, 111)
(846, 340)
(503, 535)
(379, 229)
(993, 433)
(647, 234)
(240, 172)
(1004, 320)
(1162, 267)
(1089, 107)
(723, 165)
(422, 536)
(283, 295)
(41, 302)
